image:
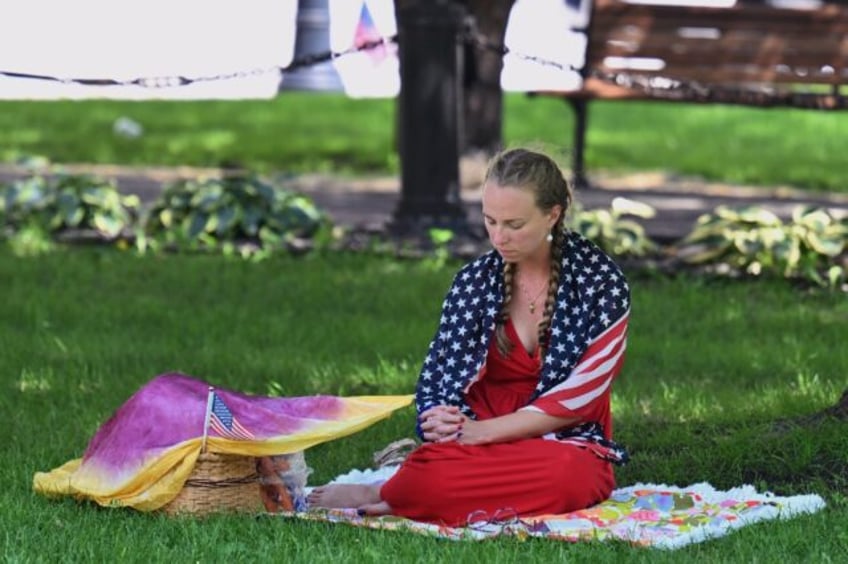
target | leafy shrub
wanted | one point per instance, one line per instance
(755, 240)
(612, 231)
(31, 241)
(67, 202)
(219, 212)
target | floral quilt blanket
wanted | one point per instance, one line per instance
(650, 515)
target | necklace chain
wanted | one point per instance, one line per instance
(532, 301)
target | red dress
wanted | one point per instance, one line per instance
(449, 482)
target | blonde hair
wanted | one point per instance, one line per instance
(533, 171)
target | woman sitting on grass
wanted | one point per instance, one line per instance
(514, 394)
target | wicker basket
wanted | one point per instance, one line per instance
(219, 483)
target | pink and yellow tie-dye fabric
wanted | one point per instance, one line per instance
(143, 454)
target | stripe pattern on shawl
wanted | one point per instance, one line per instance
(593, 375)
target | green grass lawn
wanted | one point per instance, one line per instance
(711, 365)
(306, 132)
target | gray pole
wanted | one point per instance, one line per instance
(312, 36)
(431, 54)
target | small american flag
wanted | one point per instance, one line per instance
(367, 32)
(223, 422)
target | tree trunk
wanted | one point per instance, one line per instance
(483, 103)
(483, 97)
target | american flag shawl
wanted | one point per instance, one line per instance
(586, 345)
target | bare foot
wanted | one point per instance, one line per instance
(375, 509)
(344, 495)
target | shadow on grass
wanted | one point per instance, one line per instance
(795, 460)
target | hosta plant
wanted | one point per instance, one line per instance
(238, 210)
(812, 245)
(613, 231)
(67, 202)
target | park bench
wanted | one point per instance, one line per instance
(750, 54)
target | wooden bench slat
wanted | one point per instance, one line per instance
(703, 16)
(683, 28)
(766, 57)
(594, 88)
(683, 33)
(739, 76)
(736, 48)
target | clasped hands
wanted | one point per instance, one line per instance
(445, 423)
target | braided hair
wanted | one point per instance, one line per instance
(530, 170)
